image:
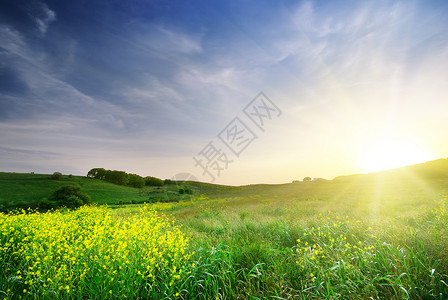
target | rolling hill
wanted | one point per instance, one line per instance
(23, 189)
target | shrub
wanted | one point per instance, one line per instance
(46, 204)
(69, 196)
(136, 181)
(153, 181)
(56, 175)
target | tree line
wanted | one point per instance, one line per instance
(123, 178)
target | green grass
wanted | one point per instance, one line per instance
(270, 251)
(379, 236)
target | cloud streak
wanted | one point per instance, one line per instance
(42, 16)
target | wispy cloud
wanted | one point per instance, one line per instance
(33, 153)
(167, 42)
(11, 40)
(303, 17)
(42, 16)
(177, 41)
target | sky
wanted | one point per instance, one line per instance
(230, 92)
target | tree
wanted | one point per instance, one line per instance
(117, 177)
(56, 175)
(153, 181)
(69, 196)
(307, 179)
(98, 173)
(135, 180)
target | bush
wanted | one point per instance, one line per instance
(136, 181)
(153, 181)
(56, 175)
(69, 196)
(117, 177)
(185, 190)
(46, 204)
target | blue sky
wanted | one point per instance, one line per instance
(143, 86)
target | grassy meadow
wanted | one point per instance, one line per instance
(379, 236)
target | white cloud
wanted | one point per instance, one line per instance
(166, 42)
(46, 88)
(154, 90)
(181, 42)
(303, 17)
(11, 40)
(42, 15)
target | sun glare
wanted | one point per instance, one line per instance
(389, 154)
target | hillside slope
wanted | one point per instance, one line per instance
(411, 181)
(20, 188)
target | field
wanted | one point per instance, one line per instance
(380, 236)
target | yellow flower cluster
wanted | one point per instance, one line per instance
(324, 249)
(441, 211)
(73, 252)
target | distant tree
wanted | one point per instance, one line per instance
(69, 196)
(117, 177)
(56, 175)
(167, 181)
(307, 179)
(98, 173)
(135, 180)
(123, 178)
(153, 181)
(92, 173)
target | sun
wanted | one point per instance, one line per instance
(384, 154)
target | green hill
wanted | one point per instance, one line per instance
(17, 189)
(431, 175)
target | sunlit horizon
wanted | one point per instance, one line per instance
(385, 153)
